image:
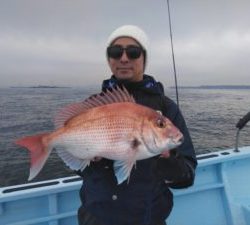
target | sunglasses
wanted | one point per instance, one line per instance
(132, 51)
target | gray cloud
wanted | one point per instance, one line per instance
(63, 42)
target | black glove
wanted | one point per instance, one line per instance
(176, 170)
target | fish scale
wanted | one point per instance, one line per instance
(102, 139)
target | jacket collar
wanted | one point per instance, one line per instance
(148, 84)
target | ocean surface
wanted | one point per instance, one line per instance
(211, 115)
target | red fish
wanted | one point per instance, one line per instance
(107, 125)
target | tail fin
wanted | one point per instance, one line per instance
(39, 152)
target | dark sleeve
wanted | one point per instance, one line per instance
(179, 169)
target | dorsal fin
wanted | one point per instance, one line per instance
(113, 95)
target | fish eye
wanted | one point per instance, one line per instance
(160, 123)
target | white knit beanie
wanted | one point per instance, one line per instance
(131, 31)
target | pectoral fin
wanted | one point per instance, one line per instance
(72, 162)
(122, 170)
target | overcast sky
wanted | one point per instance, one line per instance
(62, 42)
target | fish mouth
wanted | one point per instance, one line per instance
(175, 142)
(179, 140)
(172, 143)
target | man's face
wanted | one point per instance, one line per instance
(125, 68)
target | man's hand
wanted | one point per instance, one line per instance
(96, 159)
(165, 154)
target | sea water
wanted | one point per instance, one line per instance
(210, 114)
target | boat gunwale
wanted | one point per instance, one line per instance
(74, 182)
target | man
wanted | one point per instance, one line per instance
(146, 199)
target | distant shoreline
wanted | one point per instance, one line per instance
(215, 87)
(40, 86)
(229, 87)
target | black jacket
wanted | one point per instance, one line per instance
(146, 199)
